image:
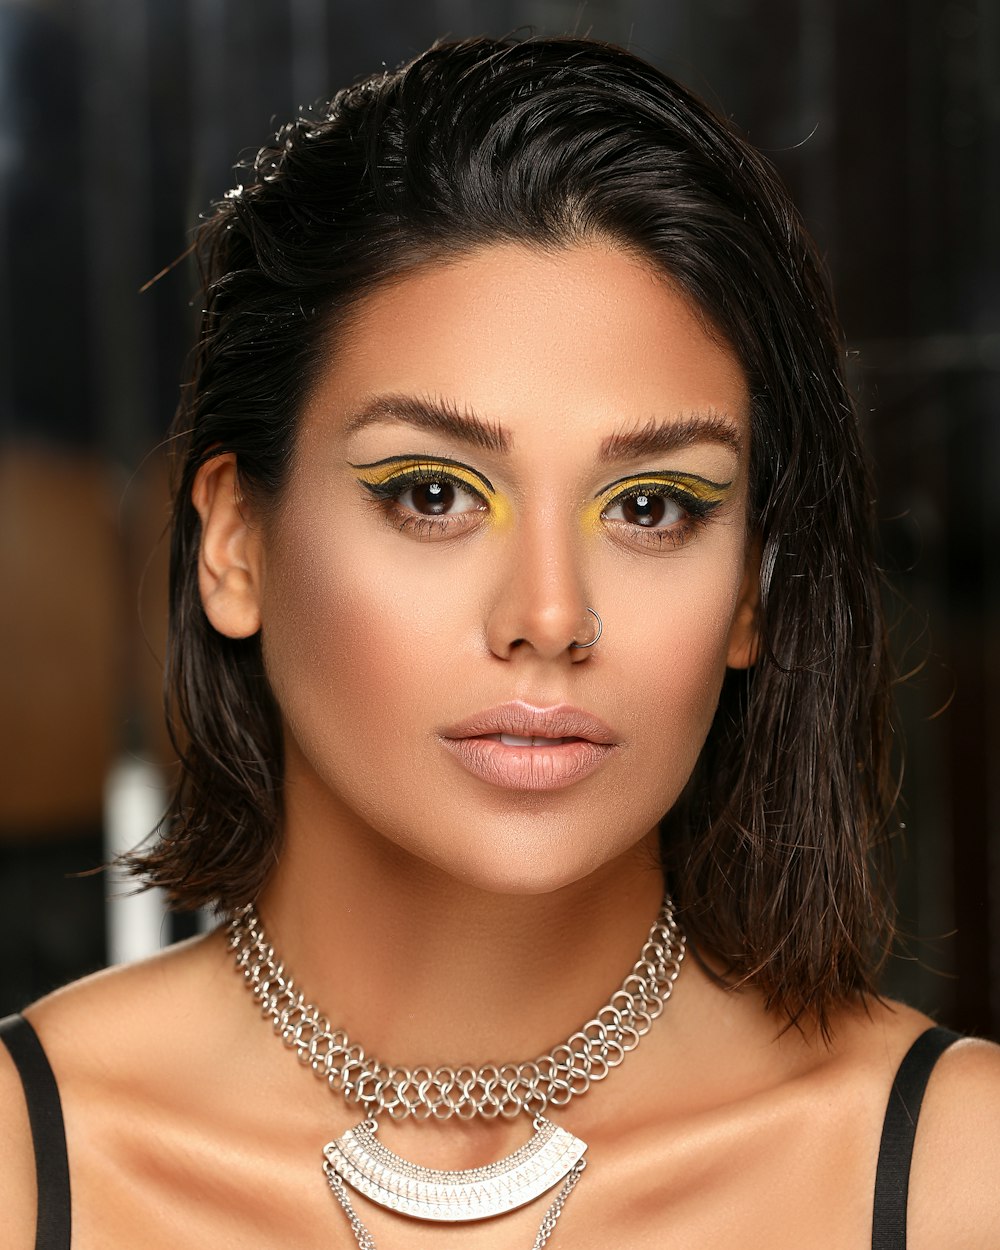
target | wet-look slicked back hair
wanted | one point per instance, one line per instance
(775, 850)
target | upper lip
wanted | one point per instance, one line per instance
(526, 721)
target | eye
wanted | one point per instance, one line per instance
(438, 496)
(665, 512)
(648, 509)
(426, 500)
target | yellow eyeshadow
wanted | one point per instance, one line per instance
(386, 473)
(500, 513)
(676, 484)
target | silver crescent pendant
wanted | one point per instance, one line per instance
(361, 1160)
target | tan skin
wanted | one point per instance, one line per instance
(442, 918)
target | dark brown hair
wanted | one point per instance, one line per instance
(773, 850)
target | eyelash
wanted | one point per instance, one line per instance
(697, 513)
(386, 497)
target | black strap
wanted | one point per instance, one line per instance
(45, 1116)
(892, 1176)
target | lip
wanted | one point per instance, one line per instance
(530, 767)
(523, 720)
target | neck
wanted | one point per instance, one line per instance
(420, 968)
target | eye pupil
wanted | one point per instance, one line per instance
(644, 509)
(433, 498)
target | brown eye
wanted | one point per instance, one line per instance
(438, 497)
(432, 498)
(649, 511)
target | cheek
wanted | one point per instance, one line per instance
(312, 635)
(349, 653)
(676, 658)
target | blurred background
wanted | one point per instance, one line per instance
(120, 120)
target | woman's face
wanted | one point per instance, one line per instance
(496, 444)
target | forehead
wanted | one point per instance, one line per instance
(587, 337)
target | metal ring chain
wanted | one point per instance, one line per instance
(549, 1081)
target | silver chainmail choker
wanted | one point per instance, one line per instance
(358, 1158)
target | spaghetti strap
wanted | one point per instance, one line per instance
(892, 1176)
(52, 1231)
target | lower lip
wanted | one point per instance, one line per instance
(528, 768)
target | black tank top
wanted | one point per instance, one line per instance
(892, 1177)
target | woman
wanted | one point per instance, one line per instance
(521, 563)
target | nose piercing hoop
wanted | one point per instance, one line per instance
(600, 630)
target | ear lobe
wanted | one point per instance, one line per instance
(229, 559)
(744, 632)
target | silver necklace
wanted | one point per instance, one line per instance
(359, 1160)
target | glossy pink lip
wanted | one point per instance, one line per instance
(531, 767)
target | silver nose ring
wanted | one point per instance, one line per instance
(600, 630)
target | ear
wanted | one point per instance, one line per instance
(230, 560)
(744, 632)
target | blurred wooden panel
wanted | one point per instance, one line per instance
(61, 615)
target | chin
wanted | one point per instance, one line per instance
(529, 865)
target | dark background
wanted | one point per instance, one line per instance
(121, 119)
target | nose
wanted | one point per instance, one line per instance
(540, 604)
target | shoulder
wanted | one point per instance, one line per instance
(954, 1196)
(110, 1037)
(954, 1191)
(17, 1159)
(101, 1026)
(141, 1082)
(163, 982)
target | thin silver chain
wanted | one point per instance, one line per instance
(491, 1090)
(553, 1213)
(361, 1234)
(367, 1242)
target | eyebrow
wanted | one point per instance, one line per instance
(656, 437)
(444, 417)
(437, 415)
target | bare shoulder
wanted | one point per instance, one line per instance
(954, 1195)
(954, 1190)
(104, 1012)
(110, 1034)
(17, 1159)
(108, 1038)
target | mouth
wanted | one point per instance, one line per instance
(521, 724)
(513, 740)
(518, 746)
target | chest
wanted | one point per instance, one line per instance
(713, 1186)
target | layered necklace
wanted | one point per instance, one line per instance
(358, 1160)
